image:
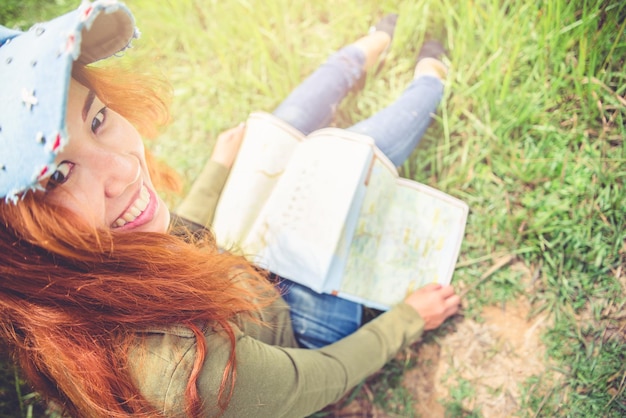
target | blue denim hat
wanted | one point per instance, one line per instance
(35, 70)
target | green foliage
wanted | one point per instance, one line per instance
(454, 405)
(16, 398)
(10, 10)
(21, 14)
(389, 392)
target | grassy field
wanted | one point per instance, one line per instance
(530, 134)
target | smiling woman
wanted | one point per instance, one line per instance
(111, 310)
(103, 169)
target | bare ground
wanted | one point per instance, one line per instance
(493, 356)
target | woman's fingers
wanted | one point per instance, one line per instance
(227, 145)
(435, 303)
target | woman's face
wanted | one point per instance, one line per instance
(102, 175)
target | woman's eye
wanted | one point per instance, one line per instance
(60, 176)
(98, 120)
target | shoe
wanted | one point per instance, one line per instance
(431, 49)
(434, 50)
(386, 24)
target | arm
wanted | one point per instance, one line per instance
(274, 380)
(199, 204)
(290, 382)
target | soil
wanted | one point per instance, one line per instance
(494, 356)
(480, 365)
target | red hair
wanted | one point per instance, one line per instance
(69, 293)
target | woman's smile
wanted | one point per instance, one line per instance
(139, 212)
(102, 174)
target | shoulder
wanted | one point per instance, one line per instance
(160, 362)
(161, 359)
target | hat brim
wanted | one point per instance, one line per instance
(36, 67)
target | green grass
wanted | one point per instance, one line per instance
(530, 135)
(454, 405)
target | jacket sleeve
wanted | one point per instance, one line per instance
(199, 204)
(275, 381)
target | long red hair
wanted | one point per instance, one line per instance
(72, 297)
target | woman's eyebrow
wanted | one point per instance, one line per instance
(88, 101)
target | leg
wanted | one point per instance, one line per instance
(319, 319)
(313, 103)
(398, 128)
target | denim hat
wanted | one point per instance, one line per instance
(35, 70)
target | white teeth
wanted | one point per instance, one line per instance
(135, 209)
(142, 204)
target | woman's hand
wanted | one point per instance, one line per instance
(435, 303)
(227, 145)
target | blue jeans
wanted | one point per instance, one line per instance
(321, 319)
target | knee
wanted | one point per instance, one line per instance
(350, 60)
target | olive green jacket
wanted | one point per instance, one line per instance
(274, 378)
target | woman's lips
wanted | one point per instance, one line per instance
(139, 212)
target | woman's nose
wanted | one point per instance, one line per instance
(121, 171)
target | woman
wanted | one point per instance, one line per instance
(107, 312)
